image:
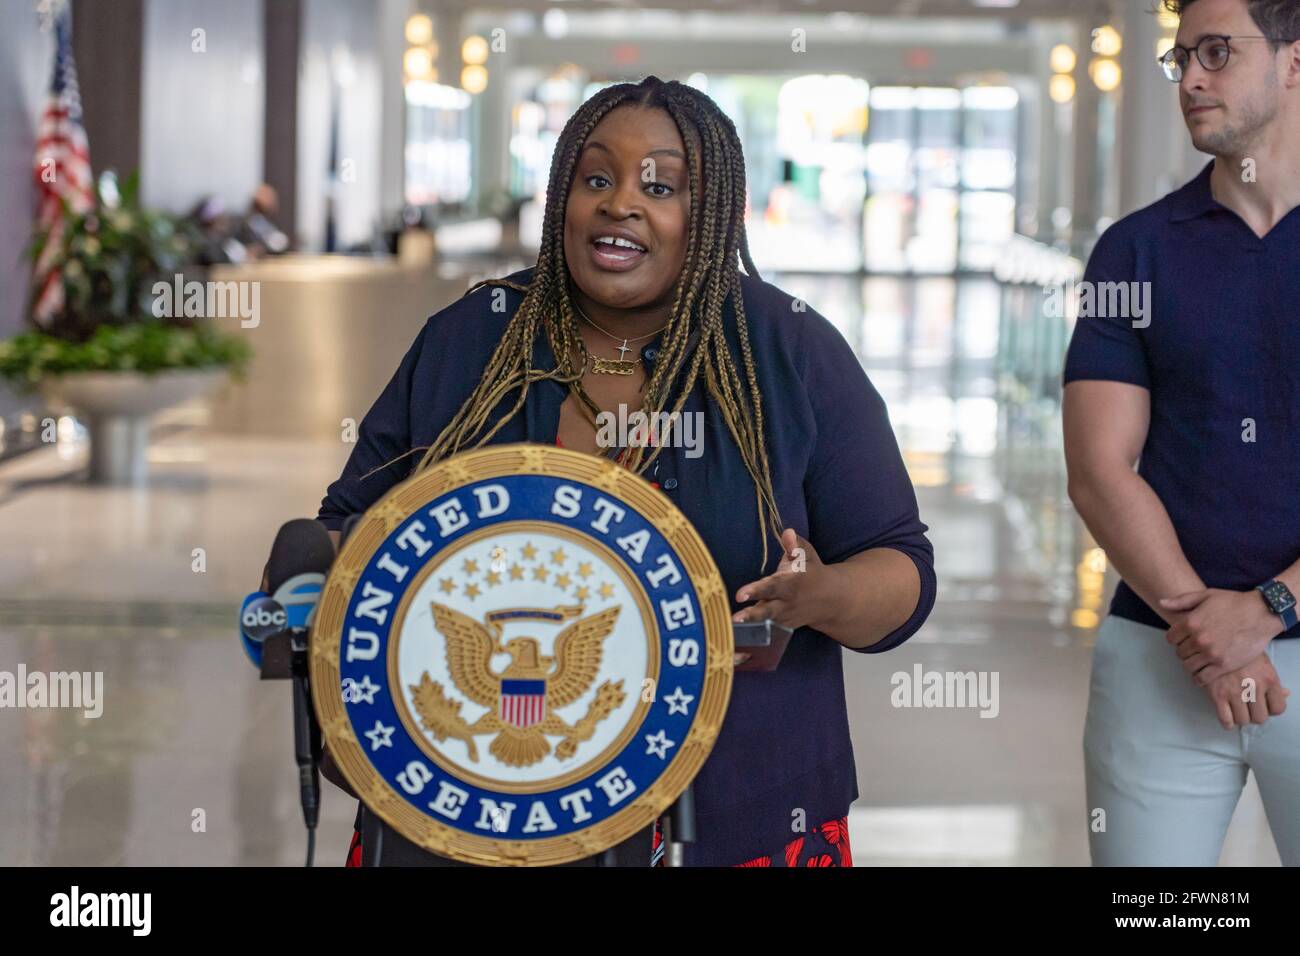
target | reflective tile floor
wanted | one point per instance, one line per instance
(191, 761)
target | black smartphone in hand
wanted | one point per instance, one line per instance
(759, 645)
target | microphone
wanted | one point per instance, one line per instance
(301, 546)
(264, 617)
(295, 574)
(349, 525)
(300, 558)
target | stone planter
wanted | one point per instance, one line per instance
(117, 406)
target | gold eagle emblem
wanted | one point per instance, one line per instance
(521, 699)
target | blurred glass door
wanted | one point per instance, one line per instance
(941, 178)
(988, 173)
(806, 196)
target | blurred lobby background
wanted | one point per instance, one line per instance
(919, 171)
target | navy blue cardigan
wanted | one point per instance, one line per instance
(839, 480)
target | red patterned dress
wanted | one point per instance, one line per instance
(826, 845)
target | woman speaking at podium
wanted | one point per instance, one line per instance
(638, 300)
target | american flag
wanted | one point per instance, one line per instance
(62, 169)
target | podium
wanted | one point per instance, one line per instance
(522, 656)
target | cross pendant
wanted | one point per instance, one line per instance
(622, 351)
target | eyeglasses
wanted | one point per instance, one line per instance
(1212, 52)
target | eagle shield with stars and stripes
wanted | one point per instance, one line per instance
(523, 702)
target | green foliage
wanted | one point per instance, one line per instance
(109, 259)
(147, 346)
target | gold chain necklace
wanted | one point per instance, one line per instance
(621, 365)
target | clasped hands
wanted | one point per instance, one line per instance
(1221, 636)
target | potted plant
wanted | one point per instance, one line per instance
(106, 354)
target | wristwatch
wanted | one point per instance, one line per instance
(1280, 601)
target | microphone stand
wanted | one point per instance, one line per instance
(680, 829)
(306, 743)
(284, 655)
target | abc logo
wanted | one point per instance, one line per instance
(263, 617)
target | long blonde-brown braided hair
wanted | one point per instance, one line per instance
(709, 274)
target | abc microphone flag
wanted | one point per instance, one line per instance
(291, 607)
(300, 557)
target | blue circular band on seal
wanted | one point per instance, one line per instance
(582, 803)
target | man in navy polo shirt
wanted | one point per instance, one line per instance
(1201, 385)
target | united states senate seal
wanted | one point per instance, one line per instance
(521, 656)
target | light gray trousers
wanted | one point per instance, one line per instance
(1161, 766)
